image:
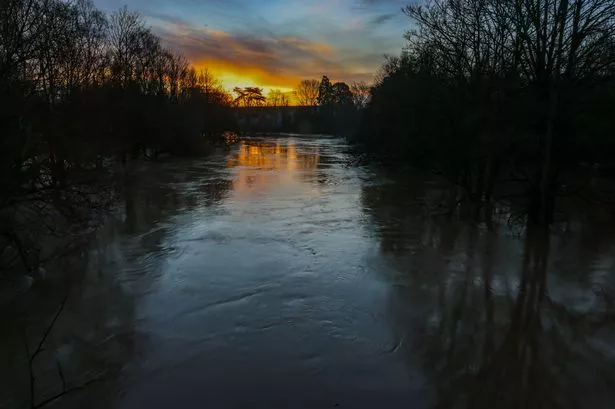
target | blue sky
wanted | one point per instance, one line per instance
(276, 43)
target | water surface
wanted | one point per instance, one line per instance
(277, 275)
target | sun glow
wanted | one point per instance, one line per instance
(230, 81)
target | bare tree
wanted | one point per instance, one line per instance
(483, 48)
(20, 30)
(307, 92)
(276, 98)
(78, 86)
(360, 93)
(126, 29)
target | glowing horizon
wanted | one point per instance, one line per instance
(230, 80)
(240, 76)
(275, 44)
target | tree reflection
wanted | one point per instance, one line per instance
(154, 194)
(92, 340)
(494, 321)
(94, 337)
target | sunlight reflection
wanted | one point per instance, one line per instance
(265, 165)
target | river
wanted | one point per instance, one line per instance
(278, 275)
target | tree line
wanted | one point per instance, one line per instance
(329, 107)
(80, 88)
(501, 97)
(308, 93)
(311, 93)
(324, 106)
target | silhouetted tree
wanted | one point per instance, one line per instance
(78, 88)
(360, 94)
(342, 96)
(249, 96)
(276, 98)
(325, 92)
(490, 91)
(307, 92)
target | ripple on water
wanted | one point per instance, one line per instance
(275, 275)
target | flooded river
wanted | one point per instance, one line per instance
(276, 275)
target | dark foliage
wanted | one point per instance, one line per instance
(336, 111)
(324, 107)
(492, 92)
(80, 89)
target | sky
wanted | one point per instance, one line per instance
(275, 44)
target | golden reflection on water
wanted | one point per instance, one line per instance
(263, 165)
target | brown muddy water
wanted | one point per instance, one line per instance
(278, 276)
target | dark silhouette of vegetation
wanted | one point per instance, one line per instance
(80, 89)
(360, 94)
(306, 93)
(249, 97)
(277, 98)
(323, 107)
(502, 98)
(259, 113)
(336, 107)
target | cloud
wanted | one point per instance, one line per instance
(382, 4)
(267, 59)
(381, 19)
(277, 43)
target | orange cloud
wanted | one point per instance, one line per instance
(240, 75)
(302, 44)
(266, 60)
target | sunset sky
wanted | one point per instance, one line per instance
(276, 43)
